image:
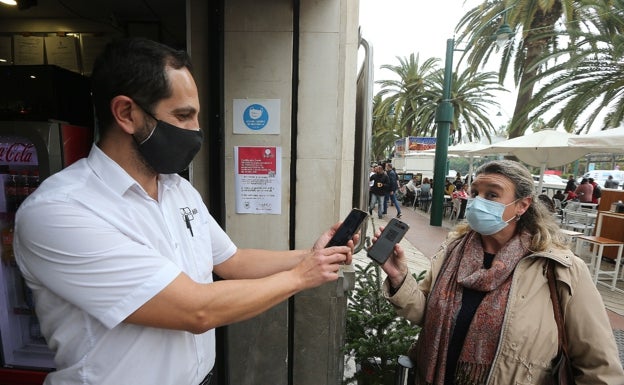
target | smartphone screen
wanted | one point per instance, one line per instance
(391, 235)
(348, 228)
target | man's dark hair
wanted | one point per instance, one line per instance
(134, 67)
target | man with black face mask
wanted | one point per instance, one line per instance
(119, 250)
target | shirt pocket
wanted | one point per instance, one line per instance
(200, 249)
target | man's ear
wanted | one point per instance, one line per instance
(125, 114)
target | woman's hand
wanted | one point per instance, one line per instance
(396, 265)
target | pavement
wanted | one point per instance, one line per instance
(423, 240)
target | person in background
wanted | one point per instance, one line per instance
(559, 195)
(610, 183)
(370, 182)
(119, 250)
(462, 195)
(392, 189)
(381, 185)
(547, 202)
(411, 185)
(485, 306)
(571, 184)
(596, 191)
(426, 192)
(410, 188)
(570, 197)
(458, 182)
(449, 187)
(584, 191)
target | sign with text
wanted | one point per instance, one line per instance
(62, 51)
(256, 116)
(258, 180)
(28, 50)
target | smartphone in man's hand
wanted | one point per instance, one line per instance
(391, 235)
(348, 228)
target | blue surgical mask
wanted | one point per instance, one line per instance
(485, 216)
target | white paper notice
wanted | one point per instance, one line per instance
(61, 51)
(258, 173)
(28, 50)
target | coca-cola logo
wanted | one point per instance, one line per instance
(18, 153)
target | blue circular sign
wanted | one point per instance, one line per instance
(255, 117)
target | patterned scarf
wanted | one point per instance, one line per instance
(464, 268)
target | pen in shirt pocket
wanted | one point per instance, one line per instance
(187, 214)
(188, 224)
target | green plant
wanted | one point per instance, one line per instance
(375, 336)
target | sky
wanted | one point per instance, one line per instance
(401, 27)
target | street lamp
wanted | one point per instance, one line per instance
(444, 118)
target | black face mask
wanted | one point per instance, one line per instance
(170, 149)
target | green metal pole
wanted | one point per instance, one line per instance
(444, 118)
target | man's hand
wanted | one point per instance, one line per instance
(321, 266)
(326, 237)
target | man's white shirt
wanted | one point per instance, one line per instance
(95, 247)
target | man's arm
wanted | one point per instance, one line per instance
(258, 263)
(256, 280)
(187, 305)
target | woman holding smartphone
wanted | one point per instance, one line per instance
(485, 305)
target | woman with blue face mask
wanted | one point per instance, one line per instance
(485, 306)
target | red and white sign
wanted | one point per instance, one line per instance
(258, 180)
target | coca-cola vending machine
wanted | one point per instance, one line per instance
(36, 141)
(29, 152)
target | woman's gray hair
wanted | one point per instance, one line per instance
(537, 219)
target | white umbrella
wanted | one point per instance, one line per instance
(465, 149)
(541, 149)
(611, 140)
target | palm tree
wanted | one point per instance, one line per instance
(589, 78)
(472, 96)
(399, 99)
(536, 20)
(410, 103)
(383, 135)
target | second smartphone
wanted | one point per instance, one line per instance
(391, 235)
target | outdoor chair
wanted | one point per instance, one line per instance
(579, 221)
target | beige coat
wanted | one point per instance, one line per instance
(528, 341)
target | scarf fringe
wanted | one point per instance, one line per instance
(471, 374)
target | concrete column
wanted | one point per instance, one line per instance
(258, 64)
